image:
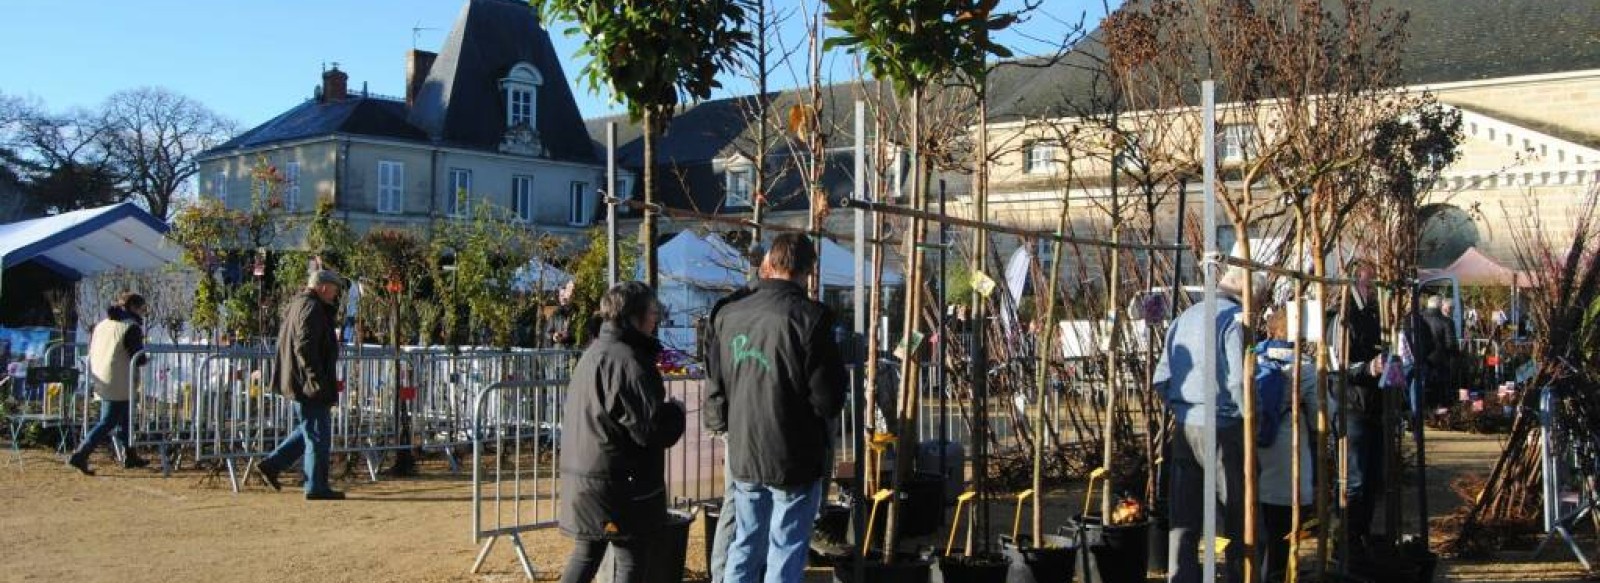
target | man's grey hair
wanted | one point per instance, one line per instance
(1233, 282)
(1432, 303)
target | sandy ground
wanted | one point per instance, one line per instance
(135, 525)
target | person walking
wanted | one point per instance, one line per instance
(307, 353)
(775, 378)
(1440, 358)
(112, 346)
(618, 424)
(1179, 378)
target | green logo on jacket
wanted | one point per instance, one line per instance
(741, 352)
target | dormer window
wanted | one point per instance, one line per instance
(740, 181)
(521, 86)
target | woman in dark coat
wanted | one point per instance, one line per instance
(618, 424)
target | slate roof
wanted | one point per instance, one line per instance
(355, 115)
(460, 100)
(1449, 41)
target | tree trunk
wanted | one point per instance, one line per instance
(647, 229)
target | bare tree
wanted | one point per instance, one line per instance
(153, 136)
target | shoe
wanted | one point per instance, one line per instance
(270, 477)
(80, 464)
(328, 495)
(134, 462)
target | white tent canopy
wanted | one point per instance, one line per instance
(79, 243)
(839, 267)
(695, 272)
(537, 274)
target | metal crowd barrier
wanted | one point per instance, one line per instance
(239, 413)
(450, 380)
(515, 463)
(161, 404)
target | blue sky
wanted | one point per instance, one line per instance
(250, 60)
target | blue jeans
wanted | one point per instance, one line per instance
(725, 524)
(774, 532)
(113, 416)
(316, 426)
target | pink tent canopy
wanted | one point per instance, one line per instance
(1475, 268)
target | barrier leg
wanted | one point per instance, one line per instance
(374, 461)
(166, 460)
(455, 464)
(483, 553)
(522, 555)
(233, 475)
(16, 447)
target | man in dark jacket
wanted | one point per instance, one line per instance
(1364, 345)
(1442, 331)
(774, 380)
(307, 353)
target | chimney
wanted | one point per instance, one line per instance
(334, 84)
(418, 63)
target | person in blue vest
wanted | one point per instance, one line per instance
(1179, 378)
(112, 346)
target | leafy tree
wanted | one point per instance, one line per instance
(913, 44)
(589, 275)
(653, 55)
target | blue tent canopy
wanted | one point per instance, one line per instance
(81, 243)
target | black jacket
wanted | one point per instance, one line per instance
(1442, 330)
(616, 428)
(774, 381)
(307, 351)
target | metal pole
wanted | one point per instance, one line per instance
(611, 207)
(1208, 569)
(860, 304)
(939, 354)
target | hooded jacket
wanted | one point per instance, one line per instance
(775, 379)
(616, 428)
(112, 345)
(307, 351)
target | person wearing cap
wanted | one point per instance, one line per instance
(307, 352)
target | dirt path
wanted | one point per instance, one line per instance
(136, 526)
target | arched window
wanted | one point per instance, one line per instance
(521, 87)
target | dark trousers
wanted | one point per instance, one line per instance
(113, 417)
(1276, 521)
(1188, 500)
(584, 562)
(1366, 471)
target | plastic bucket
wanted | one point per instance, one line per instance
(712, 512)
(1051, 564)
(1157, 545)
(1117, 554)
(976, 569)
(907, 568)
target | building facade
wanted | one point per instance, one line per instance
(490, 119)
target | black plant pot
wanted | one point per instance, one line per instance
(1160, 527)
(921, 509)
(906, 568)
(665, 555)
(1051, 564)
(1117, 554)
(983, 568)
